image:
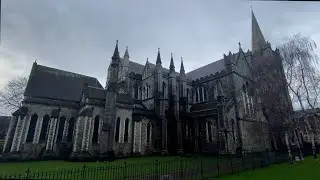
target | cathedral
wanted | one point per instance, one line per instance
(144, 109)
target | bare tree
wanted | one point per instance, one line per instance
(11, 95)
(303, 78)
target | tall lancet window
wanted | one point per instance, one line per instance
(248, 98)
(44, 128)
(164, 89)
(147, 91)
(117, 133)
(61, 128)
(205, 93)
(209, 126)
(126, 130)
(197, 95)
(149, 133)
(32, 127)
(70, 129)
(244, 98)
(200, 94)
(95, 130)
(187, 95)
(135, 92)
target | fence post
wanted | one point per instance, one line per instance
(252, 161)
(83, 172)
(156, 167)
(27, 173)
(125, 170)
(181, 173)
(201, 166)
(218, 168)
(231, 164)
(242, 159)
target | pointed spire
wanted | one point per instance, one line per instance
(158, 62)
(171, 64)
(116, 52)
(126, 54)
(257, 37)
(182, 67)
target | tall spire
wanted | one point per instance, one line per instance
(158, 62)
(126, 54)
(182, 67)
(257, 37)
(171, 64)
(116, 52)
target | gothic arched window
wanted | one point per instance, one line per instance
(135, 92)
(187, 95)
(209, 131)
(44, 128)
(95, 130)
(126, 130)
(147, 91)
(197, 95)
(61, 128)
(163, 89)
(116, 138)
(149, 135)
(205, 93)
(200, 94)
(70, 129)
(244, 98)
(32, 127)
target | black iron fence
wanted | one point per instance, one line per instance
(191, 167)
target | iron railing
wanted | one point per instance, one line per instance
(191, 167)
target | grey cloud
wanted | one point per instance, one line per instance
(79, 35)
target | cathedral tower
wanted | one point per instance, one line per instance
(107, 137)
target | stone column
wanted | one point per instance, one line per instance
(17, 134)
(51, 134)
(21, 132)
(89, 132)
(10, 134)
(85, 134)
(78, 134)
(37, 130)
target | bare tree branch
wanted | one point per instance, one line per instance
(11, 95)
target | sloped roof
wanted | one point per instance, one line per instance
(208, 69)
(46, 82)
(96, 93)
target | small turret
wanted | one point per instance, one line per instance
(171, 68)
(126, 60)
(158, 62)
(182, 72)
(116, 55)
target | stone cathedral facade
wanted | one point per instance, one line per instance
(144, 109)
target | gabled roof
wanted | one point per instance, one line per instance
(206, 70)
(46, 82)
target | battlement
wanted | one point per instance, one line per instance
(209, 77)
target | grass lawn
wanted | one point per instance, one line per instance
(130, 167)
(305, 170)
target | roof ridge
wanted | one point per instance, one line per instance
(65, 72)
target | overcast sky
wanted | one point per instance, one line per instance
(80, 35)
